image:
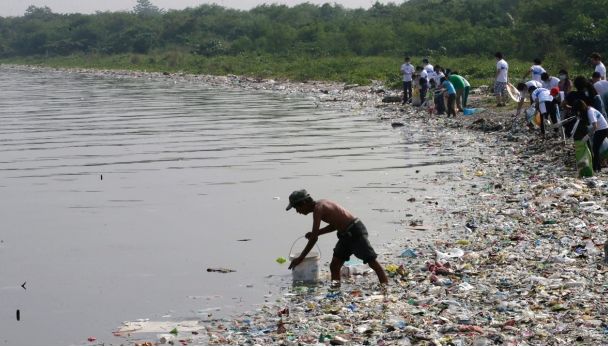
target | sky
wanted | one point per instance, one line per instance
(17, 7)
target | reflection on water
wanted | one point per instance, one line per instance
(117, 194)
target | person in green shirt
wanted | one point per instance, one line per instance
(462, 87)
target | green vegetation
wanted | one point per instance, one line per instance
(349, 69)
(307, 41)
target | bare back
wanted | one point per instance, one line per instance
(332, 214)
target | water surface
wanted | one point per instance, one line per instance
(118, 194)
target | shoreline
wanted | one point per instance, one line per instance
(531, 272)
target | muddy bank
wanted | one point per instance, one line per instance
(510, 254)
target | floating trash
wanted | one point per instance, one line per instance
(281, 260)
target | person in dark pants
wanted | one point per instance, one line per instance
(583, 91)
(450, 92)
(462, 90)
(437, 93)
(407, 70)
(352, 234)
(599, 129)
(423, 82)
(545, 105)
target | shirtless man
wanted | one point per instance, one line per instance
(352, 235)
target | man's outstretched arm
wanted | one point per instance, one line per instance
(312, 237)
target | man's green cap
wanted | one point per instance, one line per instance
(297, 197)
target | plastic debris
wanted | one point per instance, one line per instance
(451, 253)
(220, 270)
(281, 260)
(409, 253)
(148, 326)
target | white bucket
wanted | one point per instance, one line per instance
(308, 270)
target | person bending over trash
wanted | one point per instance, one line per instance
(522, 88)
(450, 92)
(599, 130)
(352, 234)
(543, 99)
(462, 87)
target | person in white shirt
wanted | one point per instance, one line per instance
(407, 70)
(430, 70)
(599, 129)
(438, 74)
(544, 104)
(424, 83)
(438, 92)
(523, 93)
(536, 70)
(596, 60)
(501, 80)
(549, 82)
(601, 87)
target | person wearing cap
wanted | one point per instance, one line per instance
(352, 234)
(544, 104)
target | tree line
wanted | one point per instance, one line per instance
(555, 29)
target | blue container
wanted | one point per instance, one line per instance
(469, 111)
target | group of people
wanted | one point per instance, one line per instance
(579, 106)
(447, 90)
(555, 97)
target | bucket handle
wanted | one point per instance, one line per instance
(298, 239)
